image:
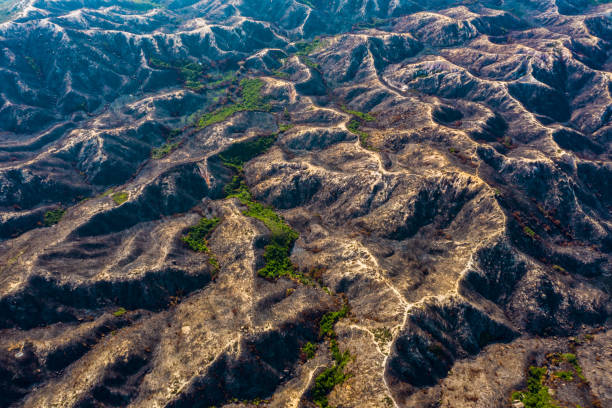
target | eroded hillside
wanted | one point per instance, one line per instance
(348, 203)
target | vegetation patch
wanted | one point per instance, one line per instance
(310, 63)
(326, 325)
(120, 197)
(564, 375)
(305, 48)
(372, 23)
(119, 312)
(536, 395)
(251, 100)
(331, 376)
(334, 375)
(560, 366)
(196, 238)
(309, 349)
(277, 252)
(189, 71)
(529, 232)
(34, 65)
(354, 125)
(367, 117)
(164, 150)
(52, 217)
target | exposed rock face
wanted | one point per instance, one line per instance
(447, 170)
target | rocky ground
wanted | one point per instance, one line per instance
(424, 219)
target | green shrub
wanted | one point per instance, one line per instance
(309, 349)
(119, 312)
(326, 325)
(282, 128)
(52, 217)
(368, 117)
(528, 231)
(164, 150)
(196, 237)
(564, 375)
(353, 127)
(536, 395)
(120, 197)
(331, 376)
(310, 63)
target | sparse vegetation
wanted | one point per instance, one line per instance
(306, 3)
(388, 401)
(145, 4)
(310, 63)
(34, 65)
(382, 336)
(190, 72)
(372, 23)
(280, 74)
(164, 150)
(120, 197)
(251, 101)
(559, 268)
(52, 217)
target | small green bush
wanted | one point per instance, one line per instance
(309, 349)
(368, 117)
(52, 217)
(164, 150)
(119, 312)
(528, 231)
(282, 128)
(564, 375)
(120, 197)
